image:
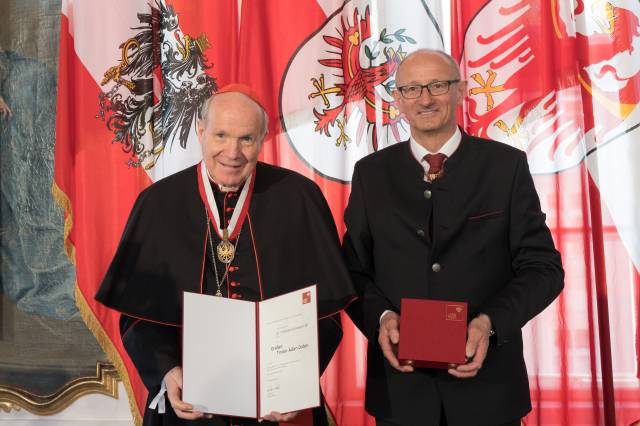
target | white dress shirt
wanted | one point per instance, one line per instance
(447, 149)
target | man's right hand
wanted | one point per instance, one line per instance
(173, 382)
(388, 339)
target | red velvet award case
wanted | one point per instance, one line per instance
(433, 333)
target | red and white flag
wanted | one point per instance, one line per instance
(131, 76)
(560, 80)
(325, 69)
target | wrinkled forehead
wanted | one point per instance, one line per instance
(234, 101)
(235, 106)
(236, 110)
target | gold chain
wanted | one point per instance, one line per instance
(213, 258)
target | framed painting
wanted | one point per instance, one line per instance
(48, 357)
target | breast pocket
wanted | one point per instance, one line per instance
(487, 215)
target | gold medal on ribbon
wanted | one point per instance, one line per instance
(225, 249)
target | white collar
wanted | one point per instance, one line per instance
(224, 188)
(447, 149)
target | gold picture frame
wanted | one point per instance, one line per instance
(104, 382)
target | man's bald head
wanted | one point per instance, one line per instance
(432, 117)
(429, 54)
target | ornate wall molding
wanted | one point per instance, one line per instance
(104, 382)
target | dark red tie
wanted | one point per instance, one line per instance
(435, 165)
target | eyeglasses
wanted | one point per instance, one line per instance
(435, 88)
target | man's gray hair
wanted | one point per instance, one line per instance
(204, 114)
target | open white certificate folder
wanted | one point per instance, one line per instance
(247, 359)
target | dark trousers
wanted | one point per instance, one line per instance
(443, 421)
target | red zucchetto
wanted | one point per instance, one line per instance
(241, 88)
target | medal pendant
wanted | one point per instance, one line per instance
(225, 249)
(219, 293)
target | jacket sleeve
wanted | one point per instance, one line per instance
(153, 348)
(357, 249)
(538, 274)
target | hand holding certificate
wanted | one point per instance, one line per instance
(248, 359)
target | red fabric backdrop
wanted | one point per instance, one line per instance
(558, 79)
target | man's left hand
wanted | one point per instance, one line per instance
(274, 416)
(477, 345)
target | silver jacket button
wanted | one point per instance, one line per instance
(427, 194)
(436, 267)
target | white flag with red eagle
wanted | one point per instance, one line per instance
(560, 80)
(325, 69)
